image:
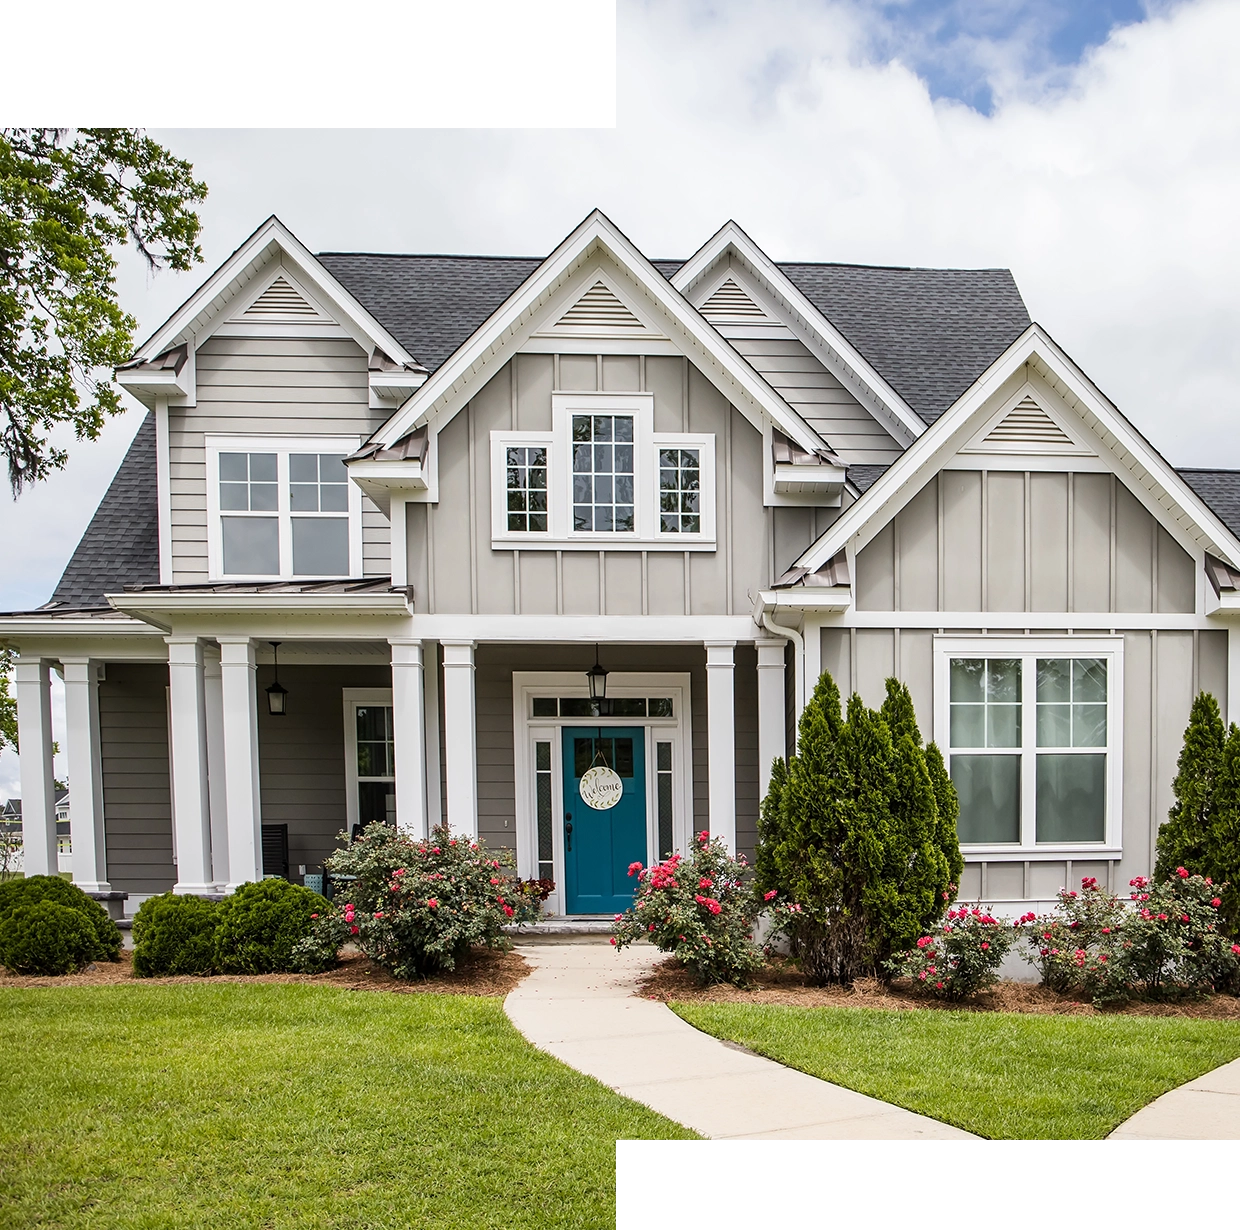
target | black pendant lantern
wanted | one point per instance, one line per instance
(597, 678)
(276, 695)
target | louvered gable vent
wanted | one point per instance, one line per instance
(730, 302)
(1027, 425)
(279, 299)
(599, 311)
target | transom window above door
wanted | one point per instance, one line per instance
(602, 477)
(281, 508)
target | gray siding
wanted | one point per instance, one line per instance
(137, 792)
(276, 386)
(806, 385)
(1163, 670)
(453, 569)
(972, 540)
(301, 756)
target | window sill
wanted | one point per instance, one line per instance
(602, 542)
(1083, 852)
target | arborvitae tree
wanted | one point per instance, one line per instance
(948, 805)
(850, 832)
(1222, 845)
(1183, 840)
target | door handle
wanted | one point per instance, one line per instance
(568, 832)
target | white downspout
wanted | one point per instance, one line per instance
(798, 657)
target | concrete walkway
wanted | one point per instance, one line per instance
(578, 1005)
(1205, 1109)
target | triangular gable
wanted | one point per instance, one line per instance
(281, 303)
(729, 302)
(1034, 367)
(599, 311)
(215, 301)
(731, 245)
(1033, 427)
(543, 293)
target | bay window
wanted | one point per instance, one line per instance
(281, 508)
(1031, 731)
(603, 478)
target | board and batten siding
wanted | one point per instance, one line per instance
(977, 540)
(267, 386)
(137, 790)
(793, 371)
(454, 570)
(494, 665)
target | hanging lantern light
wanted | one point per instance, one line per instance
(276, 695)
(596, 676)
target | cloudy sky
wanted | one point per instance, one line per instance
(1091, 146)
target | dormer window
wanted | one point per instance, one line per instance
(282, 508)
(602, 478)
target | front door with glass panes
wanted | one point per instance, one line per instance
(376, 766)
(604, 816)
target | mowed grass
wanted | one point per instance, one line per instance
(228, 1105)
(1010, 1076)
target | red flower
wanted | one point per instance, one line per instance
(353, 930)
(767, 896)
(495, 880)
(635, 869)
(985, 947)
(613, 941)
(703, 837)
(379, 914)
(508, 910)
(651, 927)
(314, 916)
(1216, 902)
(433, 903)
(706, 882)
(938, 986)
(1182, 872)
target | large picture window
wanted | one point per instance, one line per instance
(282, 508)
(603, 477)
(1031, 739)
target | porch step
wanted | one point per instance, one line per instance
(558, 928)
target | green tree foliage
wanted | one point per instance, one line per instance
(8, 702)
(1184, 837)
(851, 834)
(68, 198)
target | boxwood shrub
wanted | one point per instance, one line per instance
(50, 926)
(261, 924)
(174, 935)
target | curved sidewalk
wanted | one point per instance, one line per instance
(578, 1005)
(1205, 1109)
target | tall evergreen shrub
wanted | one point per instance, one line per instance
(851, 833)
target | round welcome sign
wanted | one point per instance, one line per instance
(601, 788)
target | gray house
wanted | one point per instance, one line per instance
(556, 549)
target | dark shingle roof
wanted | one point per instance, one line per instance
(121, 543)
(1220, 490)
(929, 332)
(430, 304)
(863, 477)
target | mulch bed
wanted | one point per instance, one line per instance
(780, 982)
(486, 972)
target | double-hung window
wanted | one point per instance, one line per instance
(603, 478)
(282, 508)
(1031, 728)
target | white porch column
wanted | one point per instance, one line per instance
(239, 694)
(1233, 674)
(34, 734)
(213, 684)
(90, 860)
(721, 740)
(430, 692)
(460, 736)
(408, 736)
(772, 711)
(191, 806)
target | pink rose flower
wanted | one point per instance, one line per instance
(433, 903)
(1182, 872)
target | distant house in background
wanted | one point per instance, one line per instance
(11, 832)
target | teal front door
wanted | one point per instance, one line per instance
(601, 841)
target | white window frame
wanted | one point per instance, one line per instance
(1029, 649)
(353, 697)
(282, 446)
(646, 536)
(527, 730)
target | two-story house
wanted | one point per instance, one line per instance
(407, 537)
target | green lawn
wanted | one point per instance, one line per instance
(274, 1105)
(1002, 1075)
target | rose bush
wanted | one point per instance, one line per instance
(959, 957)
(416, 907)
(1075, 949)
(699, 909)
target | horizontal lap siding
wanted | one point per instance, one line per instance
(267, 386)
(137, 793)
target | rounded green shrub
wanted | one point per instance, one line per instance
(174, 935)
(261, 924)
(46, 938)
(105, 939)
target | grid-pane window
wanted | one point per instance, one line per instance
(249, 488)
(318, 487)
(985, 705)
(663, 795)
(376, 765)
(680, 491)
(542, 801)
(526, 489)
(1071, 770)
(603, 473)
